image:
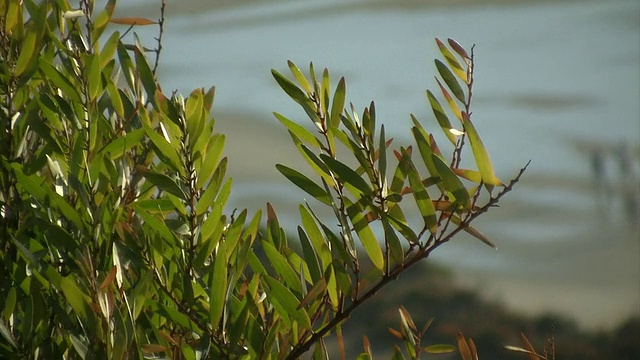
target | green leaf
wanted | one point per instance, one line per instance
(473, 232)
(452, 103)
(440, 349)
(281, 267)
(286, 304)
(165, 151)
(290, 88)
(382, 154)
(304, 183)
(164, 183)
(121, 144)
(450, 80)
(441, 116)
(300, 131)
(215, 147)
(218, 285)
(145, 73)
(396, 253)
(426, 153)
(366, 235)
(451, 59)
(346, 174)
(155, 224)
(94, 75)
(27, 52)
(483, 161)
(421, 195)
(75, 297)
(310, 256)
(315, 236)
(60, 81)
(337, 104)
(470, 175)
(302, 80)
(452, 183)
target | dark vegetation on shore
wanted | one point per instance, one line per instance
(429, 291)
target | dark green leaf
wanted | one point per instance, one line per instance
(450, 80)
(304, 183)
(441, 116)
(346, 174)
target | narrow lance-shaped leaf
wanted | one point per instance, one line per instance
(304, 183)
(452, 183)
(421, 195)
(286, 304)
(346, 174)
(441, 116)
(426, 152)
(452, 103)
(458, 48)
(337, 105)
(299, 131)
(382, 156)
(366, 235)
(483, 161)
(472, 231)
(396, 253)
(302, 80)
(451, 59)
(450, 80)
(282, 267)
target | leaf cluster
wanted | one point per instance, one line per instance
(116, 240)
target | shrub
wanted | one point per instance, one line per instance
(115, 236)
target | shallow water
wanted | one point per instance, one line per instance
(557, 83)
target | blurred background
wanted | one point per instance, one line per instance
(557, 83)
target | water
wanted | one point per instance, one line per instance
(557, 83)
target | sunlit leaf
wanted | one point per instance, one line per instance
(440, 349)
(163, 182)
(211, 159)
(452, 103)
(286, 303)
(470, 175)
(451, 59)
(132, 21)
(421, 195)
(61, 81)
(441, 116)
(452, 183)
(483, 161)
(282, 267)
(366, 235)
(301, 132)
(302, 80)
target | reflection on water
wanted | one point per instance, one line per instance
(557, 83)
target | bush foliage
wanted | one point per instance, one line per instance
(115, 236)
